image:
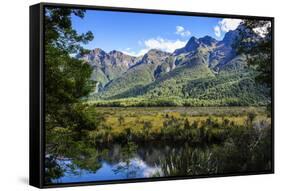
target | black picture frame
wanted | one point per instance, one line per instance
(37, 96)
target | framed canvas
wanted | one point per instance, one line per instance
(123, 95)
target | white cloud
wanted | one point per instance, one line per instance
(157, 43)
(226, 25)
(262, 31)
(164, 44)
(182, 32)
(130, 52)
(134, 53)
(229, 24)
(217, 31)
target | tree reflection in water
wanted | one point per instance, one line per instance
(188, 161)
(127, 165)
(247, 150)
(72, 160)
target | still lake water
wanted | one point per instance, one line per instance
(137, 169)
(132, 161)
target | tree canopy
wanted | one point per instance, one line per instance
(67, 79)
(255, 40)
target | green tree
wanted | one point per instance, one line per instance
(59, 32)
(67, 82)
(255, 41)
(67, 79)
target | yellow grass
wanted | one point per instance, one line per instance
(135, 117)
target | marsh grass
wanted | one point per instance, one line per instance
(195, 125)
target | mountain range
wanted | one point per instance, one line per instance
(204, 69)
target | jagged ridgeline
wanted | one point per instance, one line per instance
(205, 72)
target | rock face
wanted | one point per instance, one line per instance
(194, 44)
(108, 66)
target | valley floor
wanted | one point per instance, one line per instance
(172, 122)
(120, 118)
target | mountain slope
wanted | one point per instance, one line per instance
(139, 75)
(170, 84)
(108, 66)
(204, 71)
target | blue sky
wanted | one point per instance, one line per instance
(136, 33)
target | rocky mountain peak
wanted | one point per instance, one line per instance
(154, 51)
(208, 40)
(98, 51)
(155, 54)
(192, 44)
(116, 53)
(230, 37)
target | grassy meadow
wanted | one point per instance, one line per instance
(192, 124)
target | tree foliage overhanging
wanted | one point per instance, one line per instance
(255, 40)
(67, 79)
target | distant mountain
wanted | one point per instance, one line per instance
(194, 44)
(108, 66)
(204, 68)
(140, 74)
